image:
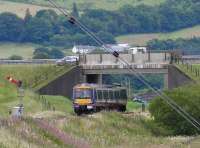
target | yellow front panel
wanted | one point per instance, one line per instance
(83, 101)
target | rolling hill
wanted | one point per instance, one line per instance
(142, 39)
(26, 50)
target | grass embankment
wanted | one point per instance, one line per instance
(142, 39)
(33, 76)
(192, 71)
(28, 74)
(27, 134)
(50, 76)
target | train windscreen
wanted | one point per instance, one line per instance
(83, 93)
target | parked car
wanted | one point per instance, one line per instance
(138, 99)
(70, 59)
(67, 60)
(60, 62)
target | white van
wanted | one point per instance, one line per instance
(135, 50)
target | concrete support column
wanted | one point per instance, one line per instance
(100, 58)
(149, 56)
(85, 59)
(116, 60)
(132, 58)
(166, 81)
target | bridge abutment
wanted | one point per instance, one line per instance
(166, 81)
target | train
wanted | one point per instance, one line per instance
(93, 97)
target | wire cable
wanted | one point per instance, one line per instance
(140, 76)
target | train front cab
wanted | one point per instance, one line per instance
(83, 99)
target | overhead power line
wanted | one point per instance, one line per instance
(190, 119)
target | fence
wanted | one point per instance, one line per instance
(188, 66)
(32, 61)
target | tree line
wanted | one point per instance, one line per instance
(49, 28)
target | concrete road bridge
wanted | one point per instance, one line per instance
(92, 67)
(95, 65)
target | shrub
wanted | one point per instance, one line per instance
(188, 98)
(41, 55)
(45, 53)
(15, 57)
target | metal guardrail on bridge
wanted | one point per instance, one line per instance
(120, 66)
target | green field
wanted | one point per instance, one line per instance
(94, 4)
(20, 8)
(24, 50)
(142, 39)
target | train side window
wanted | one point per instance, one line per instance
(94, 94)
(123, 94)
(105, 94)
(110, 94)
(99, 94)
(117, 95)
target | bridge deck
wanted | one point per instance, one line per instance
(131, 59)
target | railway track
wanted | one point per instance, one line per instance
(65, 138)
(62, 136)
